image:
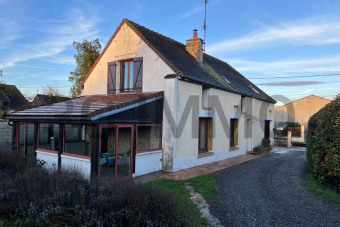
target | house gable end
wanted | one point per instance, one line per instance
(126, 44)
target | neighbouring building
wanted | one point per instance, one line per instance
(300, 110)
(42, 100)
(12, 99)
(149, 103)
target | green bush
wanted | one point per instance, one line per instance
(264, 146)
(296, 131)
(265, 143)
(323, 143)
(258, 149)
(293, 125)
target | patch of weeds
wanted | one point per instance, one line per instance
(185, 205)
(205, 185)
(325, 191)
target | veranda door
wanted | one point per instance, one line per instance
(115, 151)
(25, 141)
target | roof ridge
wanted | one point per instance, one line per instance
(130, 21)
(166, 60)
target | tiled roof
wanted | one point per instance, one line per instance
(3, 98)
(16, 100)
(212, 72)
(84, 107)
(41, 100)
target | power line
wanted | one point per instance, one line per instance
(284, 77)
(43, 86)
(287, 85)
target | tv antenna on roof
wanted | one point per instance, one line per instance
(205, 23)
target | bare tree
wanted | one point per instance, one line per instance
(51, 91)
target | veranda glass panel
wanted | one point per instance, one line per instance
(78, 139)
(21, 140)
(124, 152)
(108, 152)
(30, 140)
(149, 137)
(49, 136)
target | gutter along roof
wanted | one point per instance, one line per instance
(212, 72)
(85, 108)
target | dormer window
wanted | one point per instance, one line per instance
(126, 76)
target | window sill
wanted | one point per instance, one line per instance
(233, 148)
(76, 156)
(47, 151)
(149, 152)
(205, 154)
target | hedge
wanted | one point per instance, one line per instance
(323, 143)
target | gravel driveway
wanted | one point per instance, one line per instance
(269, 191)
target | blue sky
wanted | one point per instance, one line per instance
(294, 46)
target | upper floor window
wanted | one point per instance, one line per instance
(126, 76)
(130, 76)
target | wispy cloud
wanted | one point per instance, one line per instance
(314, 31)
(321, 65)
(58, 78)
(191, 12)
(61, 59)
(197, 9)
(58, 37)
(308, 91)
(9, 31)
(292, 83)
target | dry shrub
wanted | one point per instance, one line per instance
(32, 195)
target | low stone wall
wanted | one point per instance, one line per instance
(5, 136)
(281, 142)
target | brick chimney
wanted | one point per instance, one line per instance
(195, 46)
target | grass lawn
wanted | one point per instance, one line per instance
(204, 185)
(325, 191)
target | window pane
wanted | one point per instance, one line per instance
(108, 152)
(30, 140)
(149, 137)
(203, 131)
(78, 139)
(124, 152)
(21, 140)
(131, 76)
(125, 74)
(49, 136)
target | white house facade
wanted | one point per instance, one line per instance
(149, 103)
